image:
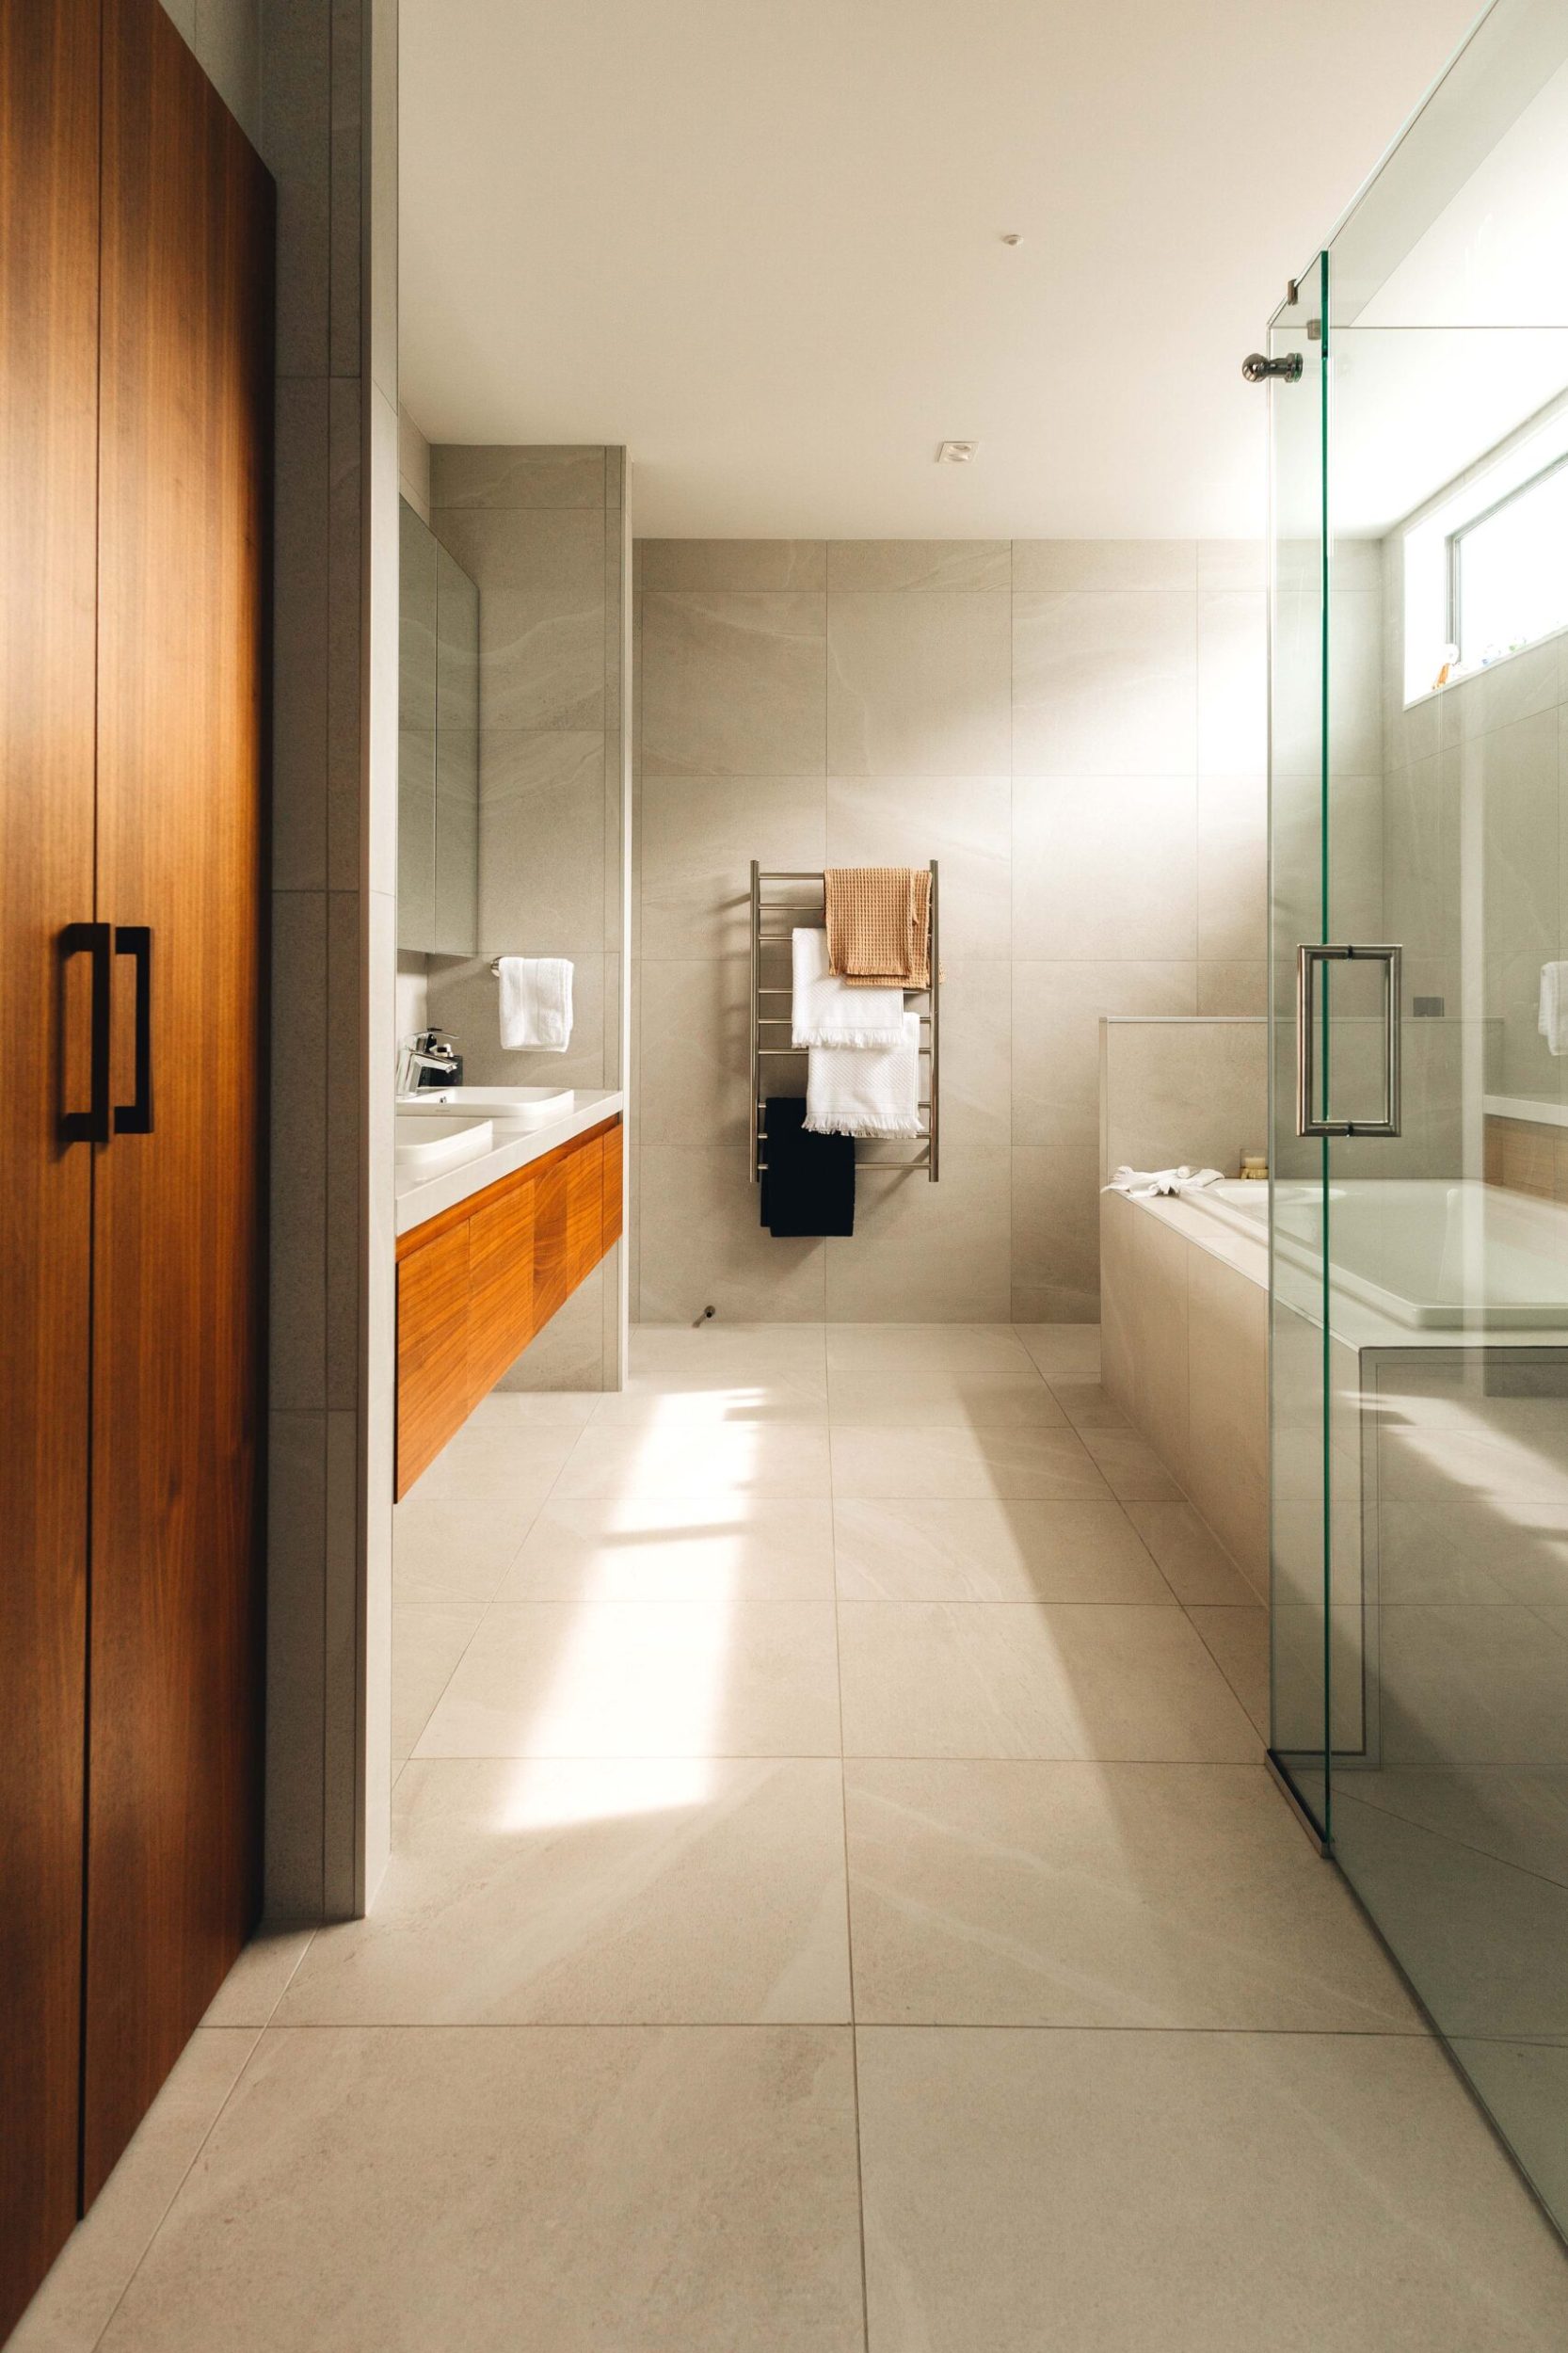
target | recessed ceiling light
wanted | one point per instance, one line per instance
(1011, 236)
(955, 453)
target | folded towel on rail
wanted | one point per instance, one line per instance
(879, 926)
(1552, 1020)
(1142, 1184)
(826, 1012)
(536, 1004)
(807, 1181)
(866, 1090)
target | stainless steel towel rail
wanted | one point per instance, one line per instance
(773, 920)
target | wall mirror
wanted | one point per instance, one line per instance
(438, 752)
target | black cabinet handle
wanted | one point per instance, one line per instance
(91, 1125)
(136, 1117)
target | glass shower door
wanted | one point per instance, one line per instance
(1419, 1072)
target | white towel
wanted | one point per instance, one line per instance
(1552, 1021)
(826, 1011)
(535, 1004)
(1143, 1184)
(866, 1090)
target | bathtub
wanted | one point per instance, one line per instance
(1428, 1254)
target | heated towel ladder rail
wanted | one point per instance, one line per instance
(773, 920)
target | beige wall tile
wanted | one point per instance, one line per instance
(918, 685)
(1233, 682)
(476, 476)
(1055, 1233)
(703, 1244)
(908, 564)
(1104, 685)
(1227, 1469)
(1104, 868)
(1104, 564)
(542, 840)
(1184, 1091)
(739, 564)
(1056, 1039)
(694, 1067)
(1233, 854)
(1233, 988)
(733, 685)
(964, 822)
(699, 835)
(1115, 888)
(1233, 564)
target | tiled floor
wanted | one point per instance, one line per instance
(837, 1899)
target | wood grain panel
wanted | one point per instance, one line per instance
(501, 1286)
(614, 1184)
(432, 1352)
(48, 564)
(462, 1210)
(185, 457)
(585, 1211)
(552, 1280)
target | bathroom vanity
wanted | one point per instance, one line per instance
(490, 1247)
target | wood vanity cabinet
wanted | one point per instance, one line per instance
(475, 1284)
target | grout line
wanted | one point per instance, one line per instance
(849, 1944)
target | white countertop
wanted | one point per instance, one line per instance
(421, 1199)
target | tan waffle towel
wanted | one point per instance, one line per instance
(879, 926)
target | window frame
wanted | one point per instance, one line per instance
(1456, 566)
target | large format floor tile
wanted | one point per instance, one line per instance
(944, 1550)
(924, 1347)
(578, 2190)
(1068, 1351)
(454, 1551)
(691, 1890)
(1011, 1679)
(428, 1638)
(1023, 1464)
(1100, 1895)
(498, 1461)
(697, 1458)
(1194, 2193)
(677, 1548)
(630, 1678)
(991, 1398)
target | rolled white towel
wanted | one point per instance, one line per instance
(1144, 1184)
(535, 1004)
(825, 1012)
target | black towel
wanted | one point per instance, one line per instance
(809, 1183)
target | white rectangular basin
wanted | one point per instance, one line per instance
(507, 1107)
(423, 1147)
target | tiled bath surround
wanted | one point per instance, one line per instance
(1076, 730)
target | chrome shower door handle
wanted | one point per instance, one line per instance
(1308, 957)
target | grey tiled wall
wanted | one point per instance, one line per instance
(543, 533)
(1076, 730)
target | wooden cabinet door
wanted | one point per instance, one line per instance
(552, 1278)
(185, 457)
(432, 1350)
(49, 441)
(501, 1286)
(585, 1210)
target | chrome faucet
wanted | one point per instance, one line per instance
(429, 1062)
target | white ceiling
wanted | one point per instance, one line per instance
(760, 242)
